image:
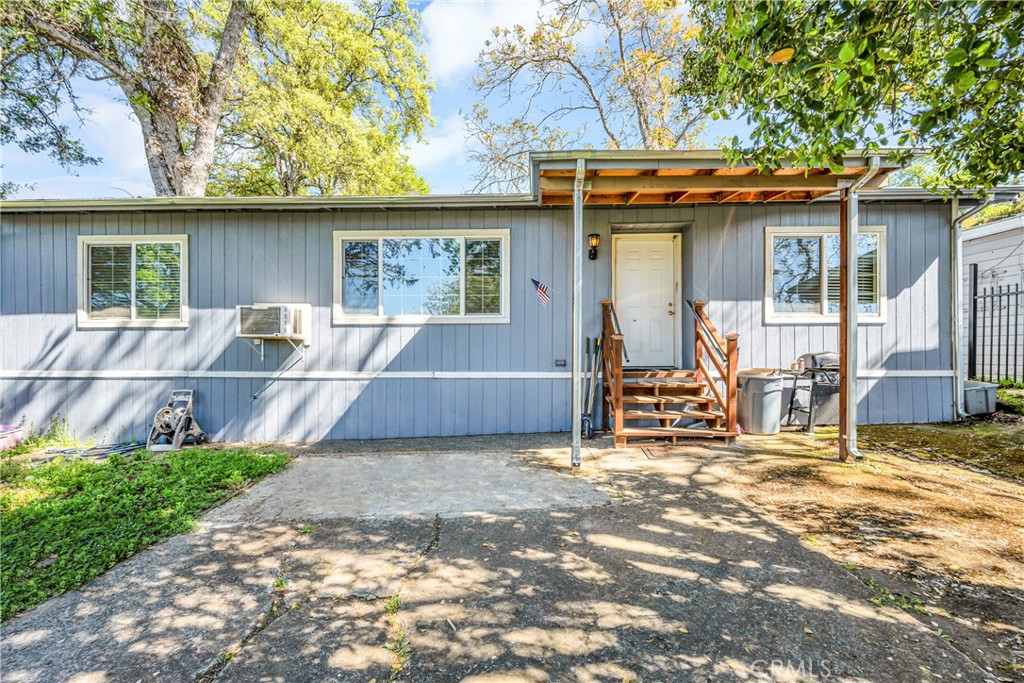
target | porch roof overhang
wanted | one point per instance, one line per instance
(625, 177)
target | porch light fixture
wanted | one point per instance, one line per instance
(595, 242)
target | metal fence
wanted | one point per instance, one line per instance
(995, 345)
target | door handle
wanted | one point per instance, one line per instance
(671, 312)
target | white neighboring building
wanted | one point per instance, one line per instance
(997, 249)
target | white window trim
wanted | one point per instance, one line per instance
(339, 317)
(773, 318)
(85, 241)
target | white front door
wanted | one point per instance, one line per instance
(646, 296)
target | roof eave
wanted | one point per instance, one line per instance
(269, 203)
(643, 159)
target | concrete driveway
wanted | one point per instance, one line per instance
(645, 567)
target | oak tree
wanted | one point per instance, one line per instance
(173, 69)
(819, 79)
(313, 91)
(324, 96)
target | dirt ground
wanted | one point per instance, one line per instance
(917, 521)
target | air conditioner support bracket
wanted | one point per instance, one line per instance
(301, 348)
(257, 346)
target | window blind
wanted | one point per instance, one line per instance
(110, 278)
(867, 274)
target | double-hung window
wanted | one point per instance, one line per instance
(421, 277)
(133, 281)
(802, 274)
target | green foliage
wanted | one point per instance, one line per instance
(868, 74)
(995, 212)
(883, 597)
(324, 95)
(33, 91)
(71, 521)
(393, 604)
(281, 96)
(1010, 399)
(58, 434)
(169, 63)
(400, 648)
(922, 173)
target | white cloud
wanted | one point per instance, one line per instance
(456, 32)
(444, 144)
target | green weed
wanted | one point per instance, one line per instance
(883, 597)
(401, 649)
(58, 434)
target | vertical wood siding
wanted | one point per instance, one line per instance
(240, 257)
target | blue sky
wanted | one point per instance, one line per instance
(454, 32)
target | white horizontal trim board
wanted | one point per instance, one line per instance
(347, 375)
(342, 375)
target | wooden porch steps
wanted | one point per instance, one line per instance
(656, 374)
(680, 398)
(671, 433)
(638, 397)
(672, 415)
(690, 386)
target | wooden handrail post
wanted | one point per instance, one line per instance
(731, 367)
(614, 342)
(698, 335)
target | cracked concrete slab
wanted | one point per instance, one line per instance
(446, 483)
(642, 569)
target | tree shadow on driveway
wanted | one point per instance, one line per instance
(670, 577)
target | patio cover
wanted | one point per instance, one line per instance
(620, 177)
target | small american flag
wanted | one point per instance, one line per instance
(542, 291)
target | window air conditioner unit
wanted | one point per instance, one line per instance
(275, 321)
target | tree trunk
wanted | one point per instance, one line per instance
(193, 168)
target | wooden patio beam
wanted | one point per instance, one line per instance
(656, 184)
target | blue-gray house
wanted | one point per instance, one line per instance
(419, 316)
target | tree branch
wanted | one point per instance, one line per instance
(66, 40)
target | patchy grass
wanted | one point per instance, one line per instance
(65, 523)
(1010, 400)
(995, 446)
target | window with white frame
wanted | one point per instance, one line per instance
(133, 281)
(802, 274)
(428, 276)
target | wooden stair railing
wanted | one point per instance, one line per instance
(611, 362)
(724, 356)
(670, 394)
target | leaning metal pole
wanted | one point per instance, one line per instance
(849, 227)
(577, 312)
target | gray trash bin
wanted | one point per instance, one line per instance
(760, 400)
